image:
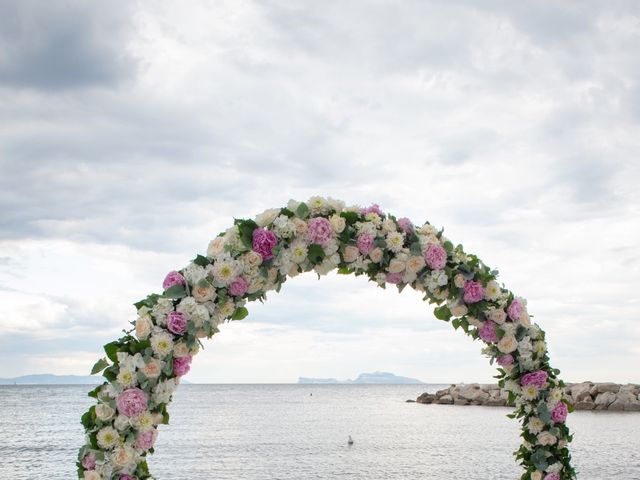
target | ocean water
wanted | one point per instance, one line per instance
(264, 432)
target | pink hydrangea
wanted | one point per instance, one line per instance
(394, 278)
(173, 278)
(365, 243)
(504, 360)
(405, 225)
(126, 476)
(552, 476)
(537, 378)
(182, 365)
(132, 402)
(435, 256)
(319, 230)
(488, 332)
(238, 287)
(146, 439)
(89, 461)
(473, 291)
(176, 323)
(559, 412)
(515, 309)
(264, 241)
(374, 208)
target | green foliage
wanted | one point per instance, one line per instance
(99, 366)
(302, 211)
(201, 261)
(240, 313)
(442, 313)
(111, 349)
(175, 292)
(246, 228)
(350, 217)
(315, 253)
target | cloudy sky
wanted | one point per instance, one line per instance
(131, 133)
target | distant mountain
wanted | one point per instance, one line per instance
(50, 379)
(378, 378)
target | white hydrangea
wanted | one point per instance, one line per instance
(161, 309)
(194, 273)
(163, 390)
(284, 227)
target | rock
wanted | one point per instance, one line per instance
(632, 406)
(445, 391)
(426, 398)
(585, 405)
(608, 387)
(460, 401)
(603, 400)
(616, 406)
(496, 402)
(580, 391)
(445, 400)
(409, 401)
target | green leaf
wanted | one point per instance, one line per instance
(456, 323)
(442, 313)
(448, 246)
(99, 366)
(111, 349)
(286, 212)
(201, 261)
(344, 271)
(315, 253)
(175, 292)
(94, 393)
(350, 217)
(240, 313)
(416, 249)
(246, 228)
(302, 211)
(543, 413)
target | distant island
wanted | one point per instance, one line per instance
(375, 378)
(50, 379)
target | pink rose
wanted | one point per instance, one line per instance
(405, 225)
(238, 287)
(182, 365)
(488, 332)
(319, 230)
(394, 278)
(89, 461)
(473, 291)
(374, 208)
(559, 412)
(146, 439)
(127, 477)
(504, 360)
(552, 476)
(176, 323)
(132, 402)
(173, 278)
(435, 256)
(515, 309)
(537, 378)
(365, 243)
(264, 241)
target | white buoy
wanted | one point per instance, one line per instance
(350, 441)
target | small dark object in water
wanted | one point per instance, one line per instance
(350, 441)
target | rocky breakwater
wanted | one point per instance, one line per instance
(583, 396)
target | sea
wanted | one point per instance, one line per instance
(268, 432)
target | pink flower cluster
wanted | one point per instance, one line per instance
(537, 378)
(405, 225)
(435, 256)
(264, 241)
(365, 243)
(146, 439)
(126, 476)
(488, 332)
(238, 287)
(515, 309)
(394, 278)
(319, 230)
(559, 412)
(182, 365)
(504, 360)
(176, 323)
(473, 291)
(173, 278)
(552, 476)
(89, 461)
(132, 402)
(374, 208)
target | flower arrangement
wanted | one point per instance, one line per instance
(143, 368)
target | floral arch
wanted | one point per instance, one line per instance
(143, 368)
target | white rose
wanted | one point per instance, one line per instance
(153, 368)
(338, 223)
(267, 217)
(124, 458)
(376, 255)
(301, 226)
(104, 412)
(215, 247)
(459, 280)
(508, 344)
(458, 309)
(293, 205)
(537, 475)
(350, 253)
(389, 226)
(497, 315)
(203, 293)
(92, 475)
(546, 438)
(524, 318)
(121, 423)
(475, 322)
(415, 264)
(337, 205)
(396, 266)
(143, 327)
(181, 350)
(492, 290)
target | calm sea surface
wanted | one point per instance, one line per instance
(300, 432)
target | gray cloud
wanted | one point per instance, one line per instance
(64, 45)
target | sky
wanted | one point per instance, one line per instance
(132, 133)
